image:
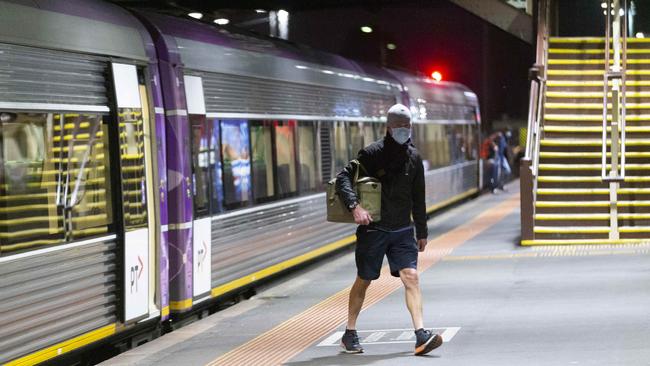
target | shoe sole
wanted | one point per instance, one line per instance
(345, 350)
(433, 343)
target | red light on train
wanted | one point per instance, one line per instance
(436, 75)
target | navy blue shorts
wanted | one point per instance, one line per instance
(399, 246)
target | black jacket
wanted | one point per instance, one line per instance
(400, 170)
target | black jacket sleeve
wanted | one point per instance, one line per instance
(419, 204)
(344, 187)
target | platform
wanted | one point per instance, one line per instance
(495, 303)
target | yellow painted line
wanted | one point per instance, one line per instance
(597, 106)
(633, 216)
(583, 242)
(269, 271)
(570, 61)
(588, 129)
(64, 347)
(599, 83)
(572, 191)
(451, 200)
(594, 72)
(576, 155)
(281, 343)
(593, 51)
(571, 229)
(593, 40)
(590, 142)
(180, 305)
(599, 94)
(562, 217)
(592, 117)
(557, 179)
(590, 166)
(558, 204)
(634, 229)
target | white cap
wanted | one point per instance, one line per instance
(398, 111)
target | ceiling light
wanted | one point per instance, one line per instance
(260, 11)
(366, 29)
(603, 5)
(196, 15)
(391, 46)
(222, 21)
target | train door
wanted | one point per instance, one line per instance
(134, 163)
(201, 141)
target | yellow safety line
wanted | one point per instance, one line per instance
(589, 191)
(569, 61)
(589, 166)
(561, 217)
(588, 129)
(555, 179)
(451, 200)
(572, 204)
(597, 106)
(594, 72)
(553, 83)
(590, 142)
(64, 347)
(583, 241)
(593, 117)
(629, 154)
(593, 40)
(571, 230)
(593, 51)
(573, 94)
(180, 305)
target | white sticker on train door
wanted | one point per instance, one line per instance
(194, 95)
(136, 274)
(202, 260)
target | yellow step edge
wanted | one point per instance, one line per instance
(561, 179)
(593, 40)
(577, 155)
(571, 229)
(634, 229)
(561, 204)
(598, 106)
(599, 83)
(562, 217)
(583, 242)
(587, 129)
(589, 191)
(593, 117)
(589, 166)
(593, 72)
(570, 61)
(571, 94)
(591, 142)
(594, 51)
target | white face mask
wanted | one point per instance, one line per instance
(400, 134)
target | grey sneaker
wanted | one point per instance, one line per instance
(426, 341)
(350, 342)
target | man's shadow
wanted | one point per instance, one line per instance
(357, 359)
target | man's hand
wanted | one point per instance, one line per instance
(422, 243)
(361, 216)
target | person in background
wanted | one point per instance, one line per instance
(489, 152)
(502, 161)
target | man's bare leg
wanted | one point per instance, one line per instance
(357, 295)
(411, 281)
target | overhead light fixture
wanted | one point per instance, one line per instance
(603, 5)
(366, 29)
(222, 21)
(196, 15)
(391, 46)
(640, 35)
(260, 11)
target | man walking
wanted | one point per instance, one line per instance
(397, 164)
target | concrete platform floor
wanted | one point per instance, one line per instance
(494, 302)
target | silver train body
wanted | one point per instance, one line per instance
(152, 166)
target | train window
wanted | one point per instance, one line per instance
(309, 167)
(54, 184)
(285, 157)
(200, 164)
(131, 138)
(262, 155)
(341, 151)
(216, 174)
(236, 162)
(432, 143)
(356, 138)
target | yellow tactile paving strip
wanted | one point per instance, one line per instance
(290, 338)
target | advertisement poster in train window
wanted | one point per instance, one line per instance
(235, 148)
(216, 168)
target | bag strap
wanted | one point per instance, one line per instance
(356, 171)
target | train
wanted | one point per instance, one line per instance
(153, 166)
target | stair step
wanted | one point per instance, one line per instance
(561, 204)
(570, 61)
(600, 216)
(586, 129)
(589, 191)
(591, 142)
(594, 72)
(590, 242)
(553, 83)
(592, 117)
(597, 106)
(588, 229)
(594, 94)
(585, 179)
(590, 155)
(590, 166)
(592, 40)
(564, 51)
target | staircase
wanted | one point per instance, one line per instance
(572, 204)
